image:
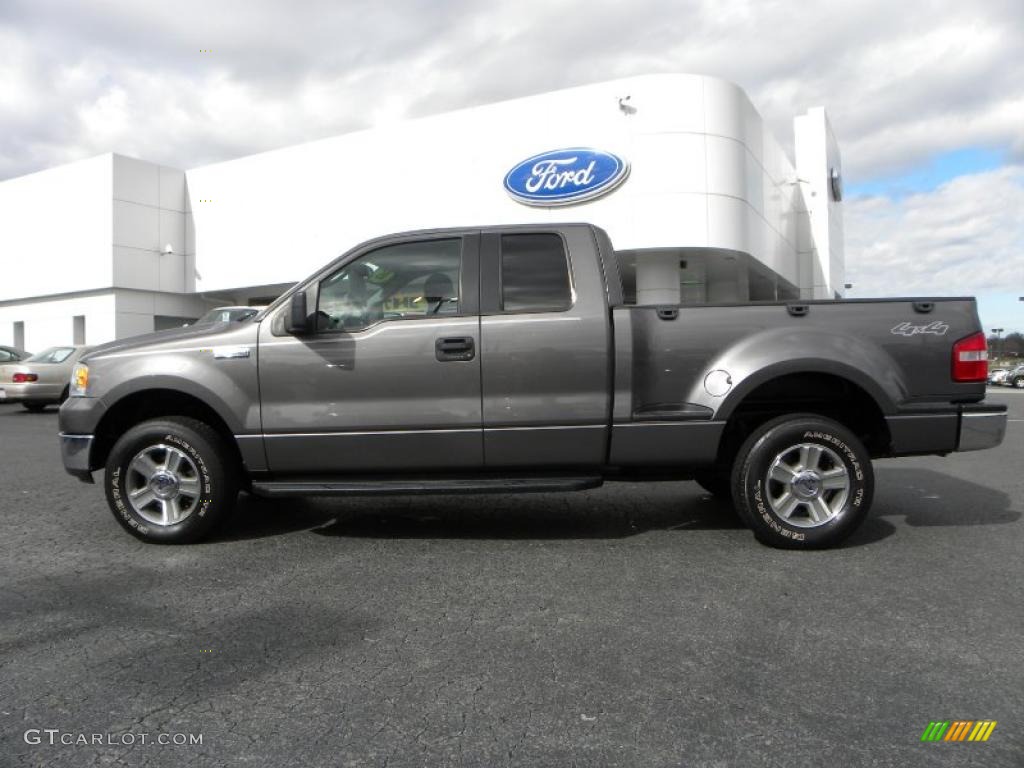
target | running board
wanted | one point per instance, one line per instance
(383, 487)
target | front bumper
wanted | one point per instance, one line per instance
(78, 420)
(75, 451)
(973, 427)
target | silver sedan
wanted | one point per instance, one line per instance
(40, 380)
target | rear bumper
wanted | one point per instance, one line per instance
(75, 451)
(31, 391)
(972, 427)
(981, 430)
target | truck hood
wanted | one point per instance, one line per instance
(195, 334)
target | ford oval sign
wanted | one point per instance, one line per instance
(565, 176)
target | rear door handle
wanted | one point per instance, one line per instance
(454, 348)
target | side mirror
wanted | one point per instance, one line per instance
(297, 320)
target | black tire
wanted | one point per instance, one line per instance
(715, 481)
(754, 492)
(213, 470)
(1018, 383)
(34, 407)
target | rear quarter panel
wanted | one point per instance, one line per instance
(755, 343)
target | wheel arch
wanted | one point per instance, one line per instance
(794, 368)
(837, 392)
(153, 403)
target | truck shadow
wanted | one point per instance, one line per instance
(588, 515)
(925, 498)
(928, 498)
(618, 510)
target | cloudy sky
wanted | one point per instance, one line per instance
(926, 96)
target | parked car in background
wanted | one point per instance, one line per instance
(1014, 378)
(998, 376)
(228, 315)
(12, 355)
(40, 380)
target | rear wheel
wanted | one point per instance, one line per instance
(803, 482)
(171, 480)
(1018, 383)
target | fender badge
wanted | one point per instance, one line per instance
(225, 353)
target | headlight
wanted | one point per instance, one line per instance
(79, 380)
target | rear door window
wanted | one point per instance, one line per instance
(534, 273)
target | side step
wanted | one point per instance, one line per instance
(387, 487)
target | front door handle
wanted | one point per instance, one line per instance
(454, 348)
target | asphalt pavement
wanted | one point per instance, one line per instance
(632, 625)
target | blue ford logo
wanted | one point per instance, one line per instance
(565, 176)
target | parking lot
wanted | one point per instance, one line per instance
(633, 625)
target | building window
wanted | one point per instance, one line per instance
(534, 274)
(78, 333)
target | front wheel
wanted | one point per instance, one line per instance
(1018, 383)
(803, 482)
(170, 480)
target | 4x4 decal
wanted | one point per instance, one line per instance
(906, 329)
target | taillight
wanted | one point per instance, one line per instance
(970, 358)
(21, 378)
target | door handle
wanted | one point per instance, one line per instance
(454, 348)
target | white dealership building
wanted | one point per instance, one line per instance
(712, 209)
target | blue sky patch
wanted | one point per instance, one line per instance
(926, 177)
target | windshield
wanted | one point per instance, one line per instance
(52, 355)
(227, 315)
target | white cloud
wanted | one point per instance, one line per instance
(80, 79)
(966, 237)
(901, 81)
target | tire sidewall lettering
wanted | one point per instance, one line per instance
(852, 464)
(832, 441)
(116, 479)
(204, 472)
(754, 493)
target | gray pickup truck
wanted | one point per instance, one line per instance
(513, 359)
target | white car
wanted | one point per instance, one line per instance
(228, 315)
(1014, 378)
(998, 376)
(42, 379)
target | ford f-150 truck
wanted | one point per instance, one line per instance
(510, 359)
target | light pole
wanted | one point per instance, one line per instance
(997, 331)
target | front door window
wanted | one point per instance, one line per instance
(408, 281)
